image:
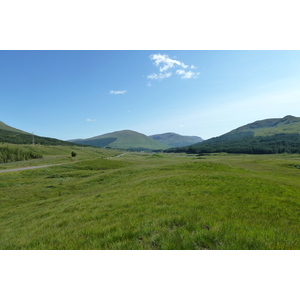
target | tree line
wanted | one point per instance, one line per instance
(15, 154)
(276, 144)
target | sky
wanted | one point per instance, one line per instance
(81, 94)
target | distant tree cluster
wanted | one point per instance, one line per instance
(15, 154)
(247, 144)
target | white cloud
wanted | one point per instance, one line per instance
(159, 76)
(117, 92)
(166, 62)
(91, 120)
(180, 72)
(187, 75)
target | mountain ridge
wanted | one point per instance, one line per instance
(276, 135)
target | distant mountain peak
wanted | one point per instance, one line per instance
(290, 118)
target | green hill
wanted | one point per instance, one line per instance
(269, 127)
(261, 137)
(15, 136)
(125, 139)
(176, 140)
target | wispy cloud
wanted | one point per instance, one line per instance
(117, 92)
(91, 120)
(187, 75)
(160, 76)
(164, 63)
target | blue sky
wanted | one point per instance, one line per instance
(80, 94)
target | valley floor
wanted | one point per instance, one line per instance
(150, 201)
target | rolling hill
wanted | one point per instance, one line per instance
(261, 137)
(125, 139)
(175, 140)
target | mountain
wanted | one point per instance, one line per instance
(269, 127)
(261, 137)
(125, 139)
(175, 140)
(12, 135)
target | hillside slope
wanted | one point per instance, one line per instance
(268, 127)
(176, 140)
(125, 139)
(261, 137)
(4, 126)
(12, 135)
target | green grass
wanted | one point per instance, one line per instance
(58, 154)
(145, 201)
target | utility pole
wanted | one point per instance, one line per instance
(32, 138)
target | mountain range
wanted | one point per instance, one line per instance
(132, 140)
(124, 139)
(278, 135)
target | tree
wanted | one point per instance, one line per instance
(73, 154)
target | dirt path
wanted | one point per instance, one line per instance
(27, 168)
(117, 156)
(38, 167)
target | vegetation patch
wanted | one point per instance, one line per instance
(96, 164)
(247, 143)
(8, 154)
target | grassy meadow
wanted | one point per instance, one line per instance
(101, 200)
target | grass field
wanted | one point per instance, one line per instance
(101, 200)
